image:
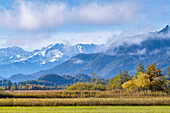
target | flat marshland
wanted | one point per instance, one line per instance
(83, 98)
(85, 102)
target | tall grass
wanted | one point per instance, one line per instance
(86, 102)
(81, 94)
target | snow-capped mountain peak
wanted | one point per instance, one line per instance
(15, 60)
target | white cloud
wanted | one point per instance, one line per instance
(31, 16)
(155, 51)
(122, 38)
(107, 13)
(141, 52)
(31, 41)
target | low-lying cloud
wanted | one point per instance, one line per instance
(29, 16)
(123, 39)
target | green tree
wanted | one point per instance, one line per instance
(168, 77)
(118, 80)
(93, 77)
(55, 87)
(140, 69)
(156, 78)
(126, 77)
(16, 86)
(9, 85)
(97, 81)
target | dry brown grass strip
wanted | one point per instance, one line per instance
(82, 94)
(86, 102)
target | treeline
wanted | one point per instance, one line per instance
(23, 86)
(150, 79)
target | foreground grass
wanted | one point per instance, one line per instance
(85, 102)
(88, 109)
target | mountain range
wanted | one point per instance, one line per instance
(154, 47)
(14, 60)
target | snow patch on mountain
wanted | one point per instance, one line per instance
(40, 53)
(42, 62)
(79, 61)
(11, 57)
(53, 60)
(54, 54)
(18, 56)
(80, 49)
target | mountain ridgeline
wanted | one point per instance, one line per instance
(154, 48)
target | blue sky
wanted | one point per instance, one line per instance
(33, 24)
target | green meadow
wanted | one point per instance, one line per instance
(87, 109)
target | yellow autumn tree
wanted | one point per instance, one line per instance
(137, 83)
(141, 82)
(152, 79)
(129, 85)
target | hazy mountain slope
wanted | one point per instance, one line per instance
(82, 78)
(1, 78)
(70, 66)
(20, 77)
(129, 60)
(67, 68)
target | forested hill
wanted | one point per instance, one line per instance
(54, 79)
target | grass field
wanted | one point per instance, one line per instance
(87, 109)
(85, 102)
